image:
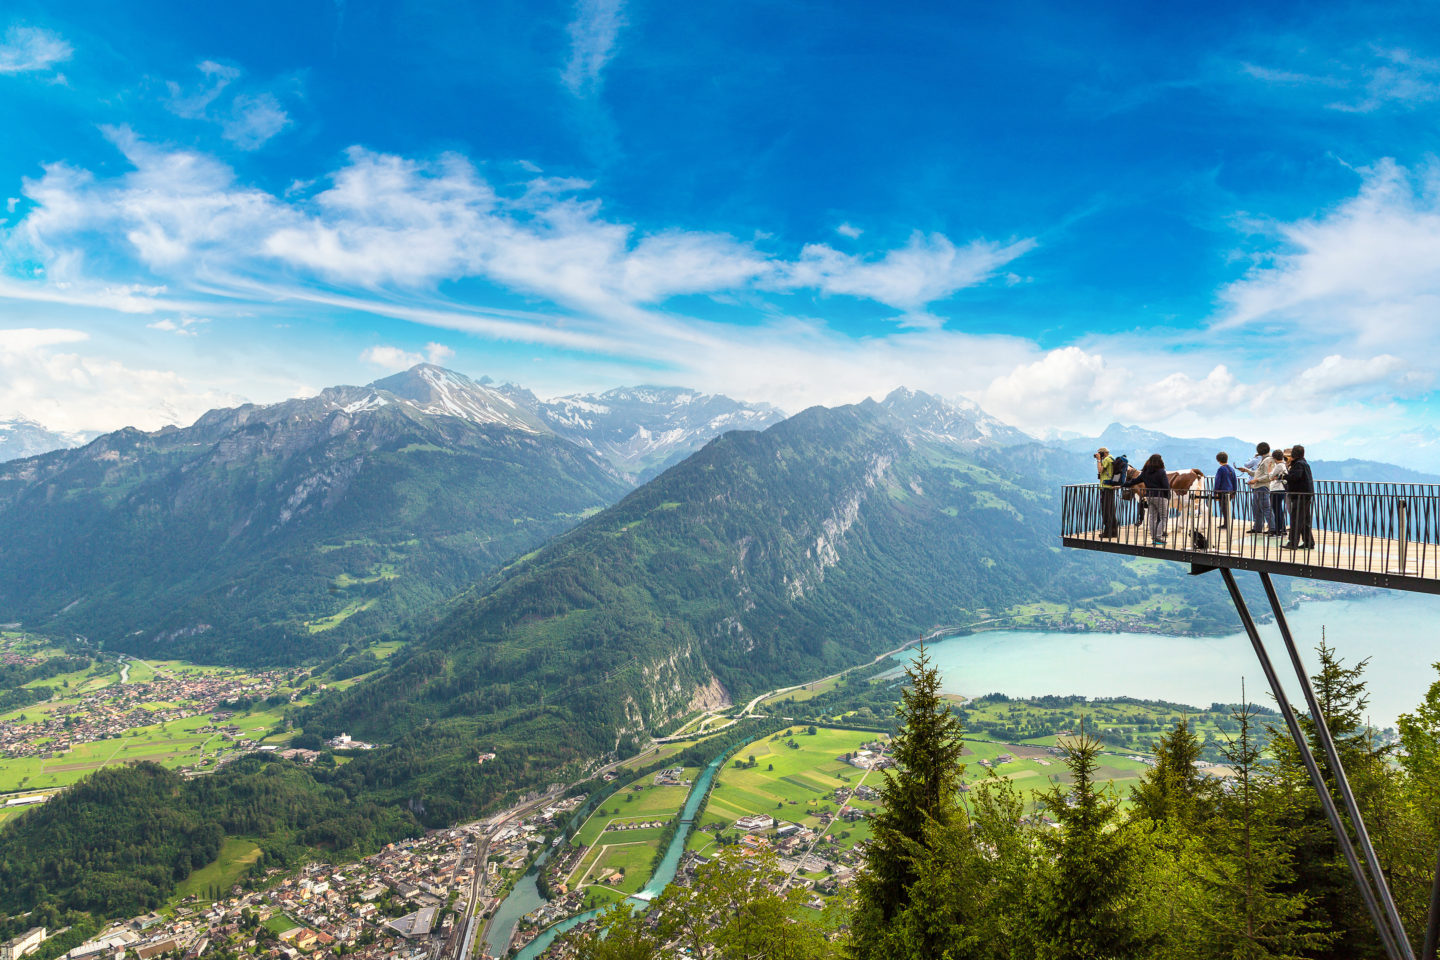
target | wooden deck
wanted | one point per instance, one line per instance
(1358, 538)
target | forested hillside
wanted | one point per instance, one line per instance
(763, 559)
(277, 534)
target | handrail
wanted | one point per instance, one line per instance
(1362, 527)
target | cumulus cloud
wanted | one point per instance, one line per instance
(593, 33)
(1047, 390)
(30, 49)
(849, 230)
(70, 390)
(1366, 267)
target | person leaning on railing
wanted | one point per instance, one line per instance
(1300, 485)
(1157, 496)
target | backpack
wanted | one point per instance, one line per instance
(1118, 470)
(1199, 541)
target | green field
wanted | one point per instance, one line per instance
(639, 800)
(632, 856)
(793, 784)
(802, 694)
(235, 858)
(280, 922)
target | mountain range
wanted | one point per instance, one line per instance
(21, 437)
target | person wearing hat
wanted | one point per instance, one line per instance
(1105, 472)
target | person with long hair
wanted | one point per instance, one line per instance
(1156, 482)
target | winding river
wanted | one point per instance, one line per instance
(526, 895)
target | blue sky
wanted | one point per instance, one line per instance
(1224, 220)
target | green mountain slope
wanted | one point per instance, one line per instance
(763, 558)
(277, 533)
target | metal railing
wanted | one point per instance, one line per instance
(1391, 529)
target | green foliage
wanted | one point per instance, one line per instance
(737, 908)
(118, 842)
(1087, 902)
(918, 798)
(1172, 787)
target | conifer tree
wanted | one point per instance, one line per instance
(1320, 870)
(1172, 788)
(1087, 905)
(1249, 863)
(922, 790)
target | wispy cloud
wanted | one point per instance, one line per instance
(184, 326)
(249, 120)
(593, 34)
(29, 49)
(254, 119)
(1365, 267)
(1378, 78)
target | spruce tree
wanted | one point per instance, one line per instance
(1249, 863)
(1087, 906)
(1172, 788)
(922, 790)
(1321, 872)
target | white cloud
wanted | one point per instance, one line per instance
(254, 120)
(593, 33)
(1396, 76)
(1048, 390)
(193, 104)
(398, 358)
(928, 268)
(249, 120)
(75, 391)
(1366, 268)
(181, 326)
(847, 230)
(28, 49)
(1362, 82)
(391, 358)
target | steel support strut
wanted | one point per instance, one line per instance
(1327, 743)
(1393, 950)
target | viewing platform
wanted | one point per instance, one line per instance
(1374, 534)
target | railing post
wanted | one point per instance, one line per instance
(1402, 512)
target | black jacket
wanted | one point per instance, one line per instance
(1155, 480)
(1298, 478)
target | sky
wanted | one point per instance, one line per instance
(1214, 220)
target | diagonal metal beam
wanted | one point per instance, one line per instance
(1327, 743)
(1362, 882)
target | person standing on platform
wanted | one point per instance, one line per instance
(1275, 480)
(1259, 494)
(1225, 483)
(1157, 496)
(1105, 473)
(1300, 484)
